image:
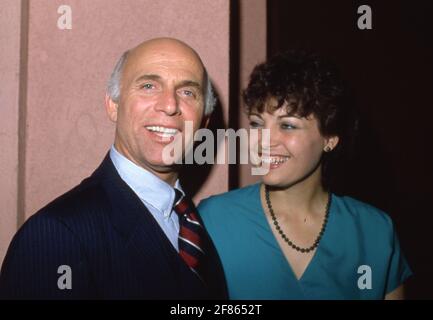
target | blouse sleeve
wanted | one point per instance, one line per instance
(399, 269)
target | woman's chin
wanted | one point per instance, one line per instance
(274, 180)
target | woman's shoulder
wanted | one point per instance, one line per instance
(229, 200)
(364, 213)
(231, 197)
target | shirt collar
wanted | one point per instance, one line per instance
(149, 188)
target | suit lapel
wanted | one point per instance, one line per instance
(146, 242)
(133, 221)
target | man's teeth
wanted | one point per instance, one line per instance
(275, 160)
(164, 131)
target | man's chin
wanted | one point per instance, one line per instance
(161, 167)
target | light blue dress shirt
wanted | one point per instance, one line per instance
(358, 257)
(156, 194)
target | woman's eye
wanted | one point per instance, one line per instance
(254, 124)
(287, 126)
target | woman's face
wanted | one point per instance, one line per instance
(295, 147)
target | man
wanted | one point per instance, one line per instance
(116, 235)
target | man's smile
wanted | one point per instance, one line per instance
(163, 132)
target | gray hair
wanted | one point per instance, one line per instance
(114, 83)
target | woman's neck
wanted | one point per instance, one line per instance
(303, 199)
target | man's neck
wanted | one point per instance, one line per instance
(167, 174)
(168, 177)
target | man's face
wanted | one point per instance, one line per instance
(161, 88)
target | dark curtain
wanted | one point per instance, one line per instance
(389, 73)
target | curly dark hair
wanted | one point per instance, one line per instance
(309, 85)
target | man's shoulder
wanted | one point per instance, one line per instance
(87, 198)
(61, 233)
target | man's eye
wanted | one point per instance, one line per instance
(147, 86)
(188, 93)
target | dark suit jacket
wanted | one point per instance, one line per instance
(113, 245)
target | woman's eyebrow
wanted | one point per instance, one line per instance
(255, 114)
(289, 116)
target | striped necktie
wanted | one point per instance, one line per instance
(190, 233)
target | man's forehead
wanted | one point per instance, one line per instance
(166, 50)
(162, 63)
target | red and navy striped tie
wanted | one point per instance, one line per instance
(190, 233)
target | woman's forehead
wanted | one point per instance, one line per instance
(274, 107)
(282, 111)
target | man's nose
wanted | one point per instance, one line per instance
(168, 103)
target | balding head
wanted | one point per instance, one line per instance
(166, 46)
(159, 48)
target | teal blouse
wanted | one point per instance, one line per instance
(358, 257)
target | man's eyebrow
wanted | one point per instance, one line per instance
(189, 83)
(154, 77)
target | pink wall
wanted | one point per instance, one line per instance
(68, 132)
(9, 98)
(252, 51)
(53, 127)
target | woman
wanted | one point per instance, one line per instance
(290, 237)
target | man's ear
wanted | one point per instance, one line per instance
(111, 108)
(205, 121)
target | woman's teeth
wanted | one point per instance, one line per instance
(275, 160)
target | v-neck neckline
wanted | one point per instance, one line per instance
(316, 254)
